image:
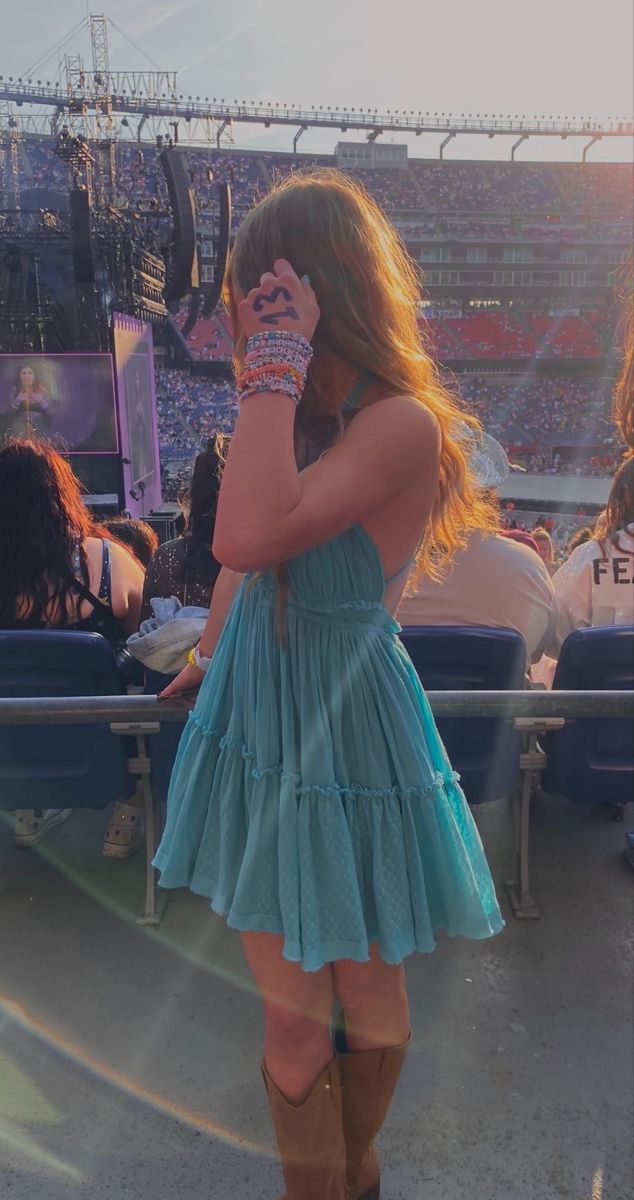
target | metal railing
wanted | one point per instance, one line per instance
(87, 710)
(532, 713)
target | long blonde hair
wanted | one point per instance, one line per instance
(367, 289)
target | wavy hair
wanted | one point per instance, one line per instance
(623, 405)
(368, 291)
(619, 510)
(42, 520)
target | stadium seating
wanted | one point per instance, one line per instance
(591, 761)
(486, 752)
(439, 202)
(71, 766)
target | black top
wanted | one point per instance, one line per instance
(184, 568)
(101, 619)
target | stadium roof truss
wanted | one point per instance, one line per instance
(141, 105)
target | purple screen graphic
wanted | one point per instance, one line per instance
(134, 357)
(66, 398)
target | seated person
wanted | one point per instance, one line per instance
(594, 585)
(545, 548)
(59, 572)
(185, 567)
(494, 581)
(137, 535)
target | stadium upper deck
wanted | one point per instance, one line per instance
(518, 262)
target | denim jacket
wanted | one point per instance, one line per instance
(164, 640)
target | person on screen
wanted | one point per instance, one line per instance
(60, 571)
(29, 413)
(141, 449)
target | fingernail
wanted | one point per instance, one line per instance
(305, 279)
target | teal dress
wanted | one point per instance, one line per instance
(311, 795)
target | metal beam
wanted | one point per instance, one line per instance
(445, 143)
(299, 133)
(143, 95)
(220, 131)
(523, 138)
(596, 138)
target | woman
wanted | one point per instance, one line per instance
(29, 412)
(594, 585)
(59, 572)
(311, 799)
(185, 567)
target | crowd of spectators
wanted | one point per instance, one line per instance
(191, 409)
(523, 414)
(544, 404)
(487, 187)
(591, 193)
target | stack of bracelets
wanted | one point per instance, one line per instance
(276, 361)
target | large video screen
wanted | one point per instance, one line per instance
(68, 399)
(134, 357)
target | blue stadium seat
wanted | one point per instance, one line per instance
(485, 752)
(591, 760)
(60, 766)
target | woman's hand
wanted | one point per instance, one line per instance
(281, 302)
(188, 680)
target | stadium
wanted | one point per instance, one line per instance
(120, 202)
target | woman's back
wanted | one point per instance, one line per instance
(183, 567)
(56, 572)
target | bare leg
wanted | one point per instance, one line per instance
(374, 1000)
(297, 1011)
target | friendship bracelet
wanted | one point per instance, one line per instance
(275, 361)
(270, 385)
(275, 337)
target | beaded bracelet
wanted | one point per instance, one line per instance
(276, 361)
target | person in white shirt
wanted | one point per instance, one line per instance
(595, 586)
(495, 581)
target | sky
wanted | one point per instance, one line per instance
(559, 57)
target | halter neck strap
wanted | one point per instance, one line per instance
(360, 386)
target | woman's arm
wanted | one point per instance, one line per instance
(268, 511)
(223, 594)
(126, 580)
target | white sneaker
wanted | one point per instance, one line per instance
(32, 824)
(124, 834)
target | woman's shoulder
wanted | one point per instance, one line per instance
(400, 418)
(175, 547)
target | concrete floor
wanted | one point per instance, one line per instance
(129, 1057)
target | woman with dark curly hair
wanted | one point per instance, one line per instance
(59, 571)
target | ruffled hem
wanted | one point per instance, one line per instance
(392, 953)
(439, 781)
(334, 867)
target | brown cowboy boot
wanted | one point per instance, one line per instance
(310, 1138)
(368, 1081)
